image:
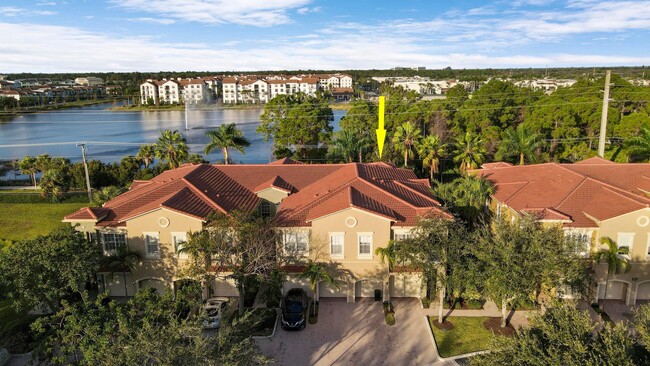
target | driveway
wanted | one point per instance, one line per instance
(356, 334)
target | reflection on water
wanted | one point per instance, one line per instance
(112, 135)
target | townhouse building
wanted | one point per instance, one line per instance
(175, 91)
(339, 213)
(591, 199)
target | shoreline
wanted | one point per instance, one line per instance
(209, 107)
(68, 105)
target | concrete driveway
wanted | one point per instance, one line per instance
(356, 334)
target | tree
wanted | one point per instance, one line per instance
(351, 145)
(299, 122)
(466, 197)
(639, 146)
(614, 257)
(123, 260)
(469, 151)
(54, 183)
(405, 139)
(28, 166)
(520, 259)
(225, 137)
(172, 147)
(564, 335)
(431, 149)
(105, 194)
(317, 272)
(387, 254)
(519, 142)
(45, 269)
(201, 247)
(642, 324)
(147, 154)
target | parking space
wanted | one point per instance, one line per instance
(356, 334)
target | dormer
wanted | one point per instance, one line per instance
(274, 190)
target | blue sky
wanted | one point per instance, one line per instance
(249, 35)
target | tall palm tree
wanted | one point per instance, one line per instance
(123, 260)
(406, 137)
(431, 149)
(146, 154)
(172, 147)
(318, 272)
(469, 151)
(639, 146)
(105, 194)
(226, 136)
(519, 142)
(615, 259)
(28, 166)
(351, 145)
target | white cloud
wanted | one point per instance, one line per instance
(28, 51)
(10, 11)
(306, 10)
(46, 3)
(164, 21)
(261, 13)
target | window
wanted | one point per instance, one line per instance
(113, 241)
(151, 244)
(337, 241)
(582, 241)
(265, 208)
(365, 245)
(626, 240)
(401, 235)
(296, 242)
(179, 240)
(498, 211)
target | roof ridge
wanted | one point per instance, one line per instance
(623, 193)
(202, 195)
(401, 183)
(122, 201)
(388, 193)
(584, 180)
(526, 184)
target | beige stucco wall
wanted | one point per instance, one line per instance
(360, 268)
(637, 222)
(272, 195)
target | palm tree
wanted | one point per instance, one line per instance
(387, 254)
(28, 166)
(431, 150)
(226, 136)
(105, 194)
(639, 145)
(406, 137)
(351, 145)
(172, 147)
(318, 272)
(146, 154)
(519, 142)
(615, 259)
(469, 151)
(123, 260)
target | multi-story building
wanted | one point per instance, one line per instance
(591, 199)
(327, 212)
(89, 81)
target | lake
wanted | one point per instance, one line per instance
(110, 135)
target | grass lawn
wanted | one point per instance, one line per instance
(20, 221)
(15, 333)
(468, 335)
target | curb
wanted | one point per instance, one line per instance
(275, 327)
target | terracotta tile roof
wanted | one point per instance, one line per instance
(314, 190)
(583, 193)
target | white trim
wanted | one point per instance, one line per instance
(174, 235)
(402, 231)
(340, 234)
(163, 209)
(353, 209)
(286, 232)
(101, 239)
(359, 254)
(151, 234)
(626, 235)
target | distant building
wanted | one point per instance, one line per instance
(416, 68)
(421, 85)
(547, 85)
(89, 81)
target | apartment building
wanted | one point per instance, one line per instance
(175, 91)
(89, 81)
(590, 199)
(327, 212)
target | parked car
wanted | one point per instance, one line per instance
(294, 309)
(214, 308)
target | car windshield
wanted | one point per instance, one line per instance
(294, 307)
(213, 312)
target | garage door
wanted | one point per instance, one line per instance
(332, 291)
(294, 282)
(406, 285)
(617, 291)
(366, 288)
(153, 283)
(225, 287)
(643, 291)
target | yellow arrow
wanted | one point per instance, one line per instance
(381, 132)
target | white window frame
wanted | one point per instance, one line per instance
(147, 236)
(112, 251)
(622, 235)
(337, 235)
(287, 236)
(582, 234)
(405, 233)
(364, 255)
(175, 242)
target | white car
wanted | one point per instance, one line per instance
(214, 308)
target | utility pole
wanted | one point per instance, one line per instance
(83, 156)
(603, 119)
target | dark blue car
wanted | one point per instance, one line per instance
(294, 309)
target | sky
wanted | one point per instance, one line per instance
(251, 35)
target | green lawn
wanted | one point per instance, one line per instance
(20, 221)
(469, 335)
